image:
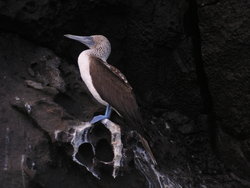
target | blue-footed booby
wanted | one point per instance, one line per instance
(105, 82)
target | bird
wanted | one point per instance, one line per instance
(106, 83)
(109, 86)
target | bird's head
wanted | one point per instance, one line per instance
(98, 43)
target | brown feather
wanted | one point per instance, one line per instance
(113, 88)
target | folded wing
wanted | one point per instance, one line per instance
(113, 88)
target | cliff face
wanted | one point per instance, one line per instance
(150, 39)
(225, 45)
(173, 63)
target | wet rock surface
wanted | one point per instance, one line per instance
(153, 44)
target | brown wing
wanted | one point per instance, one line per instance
(118, 73)
(114, 89)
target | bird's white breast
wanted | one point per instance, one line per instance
(84, 63)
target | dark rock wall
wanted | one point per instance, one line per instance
(150, 43)
(225, 35)
(156, 44)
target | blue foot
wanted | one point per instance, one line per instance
(98, 118)
(102, 117)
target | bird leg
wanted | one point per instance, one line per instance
(102, 117)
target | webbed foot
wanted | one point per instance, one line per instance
(102, 117)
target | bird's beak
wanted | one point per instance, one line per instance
(87, 40)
